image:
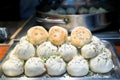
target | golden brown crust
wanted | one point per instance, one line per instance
(37, 35)
(57, 35)
(80, 36)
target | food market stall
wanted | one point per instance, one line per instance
(53, 56)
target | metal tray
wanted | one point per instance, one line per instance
(114, 74)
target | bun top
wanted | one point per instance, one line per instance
(37, 34)
(80, 36)
(57, 35)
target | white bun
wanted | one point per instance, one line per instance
(67, 51)
(101, 64)
(34, 67)
(78, 66)
(89, 51)
(25, 50)
(55, 66)
(13, 67)
(46, 49)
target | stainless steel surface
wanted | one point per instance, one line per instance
(91, 21)
(50, 20)
(113, 74)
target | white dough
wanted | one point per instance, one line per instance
(89, 51)
(92, 10)
(93, 49)
(46, 49)
(60, 11)
(34, 67)
(83, 10)
(70, 10)
(107, 52)
(13, 67)
(52, 12)
(67, 51)
(78, 66)
(101, 10)
(101, 64)
(98, 43)
(25, 50)
(55, 66)
(95, 39)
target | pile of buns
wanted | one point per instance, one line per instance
(80, 10)
(55, 53)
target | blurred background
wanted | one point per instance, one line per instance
(22, 9)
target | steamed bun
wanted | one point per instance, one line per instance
(25, 50)
(98, 43)
(101, 64)
(70, 10)
(92, 10)
(101, 10)
(55, 66)
(67, 51)
(92, 49)
(34, 67)
(60, 11)
(78, 66)
(46, 49)
(83, 10)
(89, 51)
(13, 67)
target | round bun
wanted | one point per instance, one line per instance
(89, 51)
(13, 67)
(37, 35)
(80, 36)
(78, 66)
(57, 35)
(101, 64)
(55, 66)
(46, 49)
(67, 51)
(34, 67)
(24, 50)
